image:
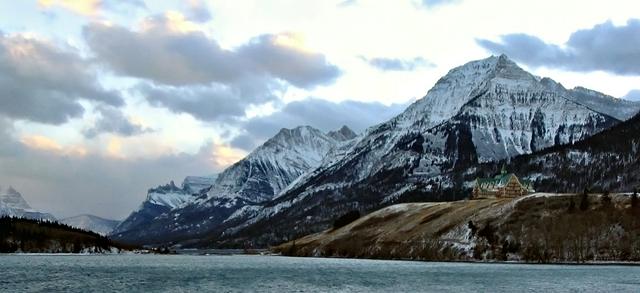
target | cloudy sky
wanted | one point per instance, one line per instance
(102, 99)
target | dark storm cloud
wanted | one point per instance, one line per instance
(397, 64)
(315, 112)
(633, 95)
(43, 82)
(605, 47)
(112, 120)
(163, 55)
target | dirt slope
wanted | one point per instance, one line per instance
(538, 227)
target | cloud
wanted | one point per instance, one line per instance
(633, 95)
(90, 7)
(83, 7)
(436, 3)
(43, 82)
(605, 47)
(396, 64)
(112, 120)
(314, 112)
(57, 179)
(170, 50)
(198, 11)
(8, 145)
(282, 56)
(43, 143)
(217, 102)
(347, 3)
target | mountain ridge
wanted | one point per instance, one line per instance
(483, 111)
(258, 177)
(432, 149)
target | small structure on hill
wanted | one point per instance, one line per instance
(502, 185)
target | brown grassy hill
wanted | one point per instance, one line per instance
(536, 228)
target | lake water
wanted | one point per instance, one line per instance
(185, 273)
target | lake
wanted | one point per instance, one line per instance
(240, 273)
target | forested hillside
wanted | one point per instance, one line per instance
(29, 236)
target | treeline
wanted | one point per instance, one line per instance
(27, 235)
(582, 228)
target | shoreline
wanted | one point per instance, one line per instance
(588, 263)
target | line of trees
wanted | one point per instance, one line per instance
(28, 235)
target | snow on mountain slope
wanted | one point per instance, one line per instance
(166, 197)
(92, 223)
(275, 164)
(619, 108)
(195, 184)
(296, 182)
(482, 111)
(257, 178)
(13, 204)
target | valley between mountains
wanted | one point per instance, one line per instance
(478, 117)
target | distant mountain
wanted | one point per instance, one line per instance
(257, 178)
(91, 223)
(165, 198)
(12, 204)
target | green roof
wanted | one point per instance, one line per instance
(501, 180)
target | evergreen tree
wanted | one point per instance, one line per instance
(584, 200)
(572, 206)
(606, 199)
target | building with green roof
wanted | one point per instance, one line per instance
(504, 184)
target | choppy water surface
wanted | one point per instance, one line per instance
(184, 273)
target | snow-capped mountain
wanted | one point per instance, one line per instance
(298, 182)
(166, 197)
(257, 178)
(13, 204)
(483, 111)
(607, 161)
(92, 223)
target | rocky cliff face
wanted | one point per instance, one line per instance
(607, 161)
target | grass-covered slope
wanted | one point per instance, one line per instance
(536, 228)
(26, 235)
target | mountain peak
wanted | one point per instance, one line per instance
(13, 204)
(343, 134)
(13, 199)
